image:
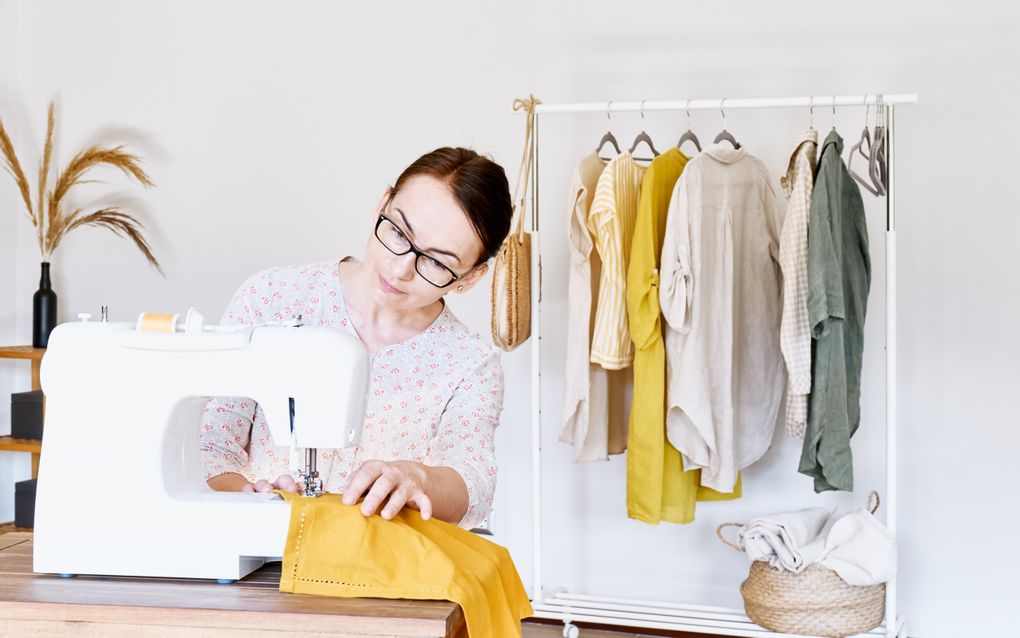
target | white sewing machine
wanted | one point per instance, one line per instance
(121, 486)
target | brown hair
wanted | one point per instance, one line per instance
(477, 183)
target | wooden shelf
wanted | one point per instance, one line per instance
(8, 443)
(22, 352)
(29, 353)
(12, 444)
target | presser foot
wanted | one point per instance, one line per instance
(312, 484)
(310, 476)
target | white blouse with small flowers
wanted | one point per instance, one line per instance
(434, 398)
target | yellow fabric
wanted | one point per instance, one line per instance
(611, 223)
(658, 489)
(334, 550)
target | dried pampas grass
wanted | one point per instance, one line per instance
(49, 217)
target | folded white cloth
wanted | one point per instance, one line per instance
(788, 540)
(857, 546)
(860, 549)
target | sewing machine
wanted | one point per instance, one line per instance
(122, 488)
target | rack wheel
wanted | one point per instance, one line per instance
(571, 630)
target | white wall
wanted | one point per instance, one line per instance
(270, 130)
(13, 467)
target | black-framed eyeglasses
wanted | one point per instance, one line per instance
(394, 239)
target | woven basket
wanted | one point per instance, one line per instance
(511, 270)
(815, 602)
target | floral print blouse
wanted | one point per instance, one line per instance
(434, 398)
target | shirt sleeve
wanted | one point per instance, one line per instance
(611, 346)
(577, 231)
(676, 278)
(642, 272)
(774, 217)
(825, 287)
(248, 305)
(226, 426)
(465, 440)
(224, 436)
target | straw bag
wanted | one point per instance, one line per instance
(815, 602)
(511, 273)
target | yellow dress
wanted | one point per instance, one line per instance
(334, 550)
(658, 488)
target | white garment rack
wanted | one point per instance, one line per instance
(700, 618)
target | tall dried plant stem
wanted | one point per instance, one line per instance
(13, 166)
(44, 172)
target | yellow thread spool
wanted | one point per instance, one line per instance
(154, 322)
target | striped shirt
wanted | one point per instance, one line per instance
(611, 223)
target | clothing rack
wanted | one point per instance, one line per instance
(683, 617)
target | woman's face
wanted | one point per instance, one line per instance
(425, 215)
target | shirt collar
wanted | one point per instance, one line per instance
(725, 153)
(808, 136)
(833, 138)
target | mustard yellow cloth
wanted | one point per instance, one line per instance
(658, 488)
(334, 550)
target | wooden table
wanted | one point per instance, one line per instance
(46, 605)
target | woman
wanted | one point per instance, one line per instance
(436, 390)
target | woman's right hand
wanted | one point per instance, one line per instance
(233, 482)
(284, 482)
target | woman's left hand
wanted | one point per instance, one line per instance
(397, 483)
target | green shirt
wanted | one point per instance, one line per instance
(839, 276)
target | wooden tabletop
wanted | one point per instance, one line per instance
(46, 605)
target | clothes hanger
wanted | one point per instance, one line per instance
(643, 137)
(608, 137)
(866, 153)
(878, 166)
(725, 136)
(689, 135)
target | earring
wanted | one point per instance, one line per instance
(460, 288)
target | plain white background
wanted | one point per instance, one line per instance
(271, 128)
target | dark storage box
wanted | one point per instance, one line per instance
(27, 415)
(24, 503)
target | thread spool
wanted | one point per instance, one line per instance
(155, 322)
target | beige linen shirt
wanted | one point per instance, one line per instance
(720, 296)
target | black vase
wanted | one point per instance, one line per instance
(44, 309)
